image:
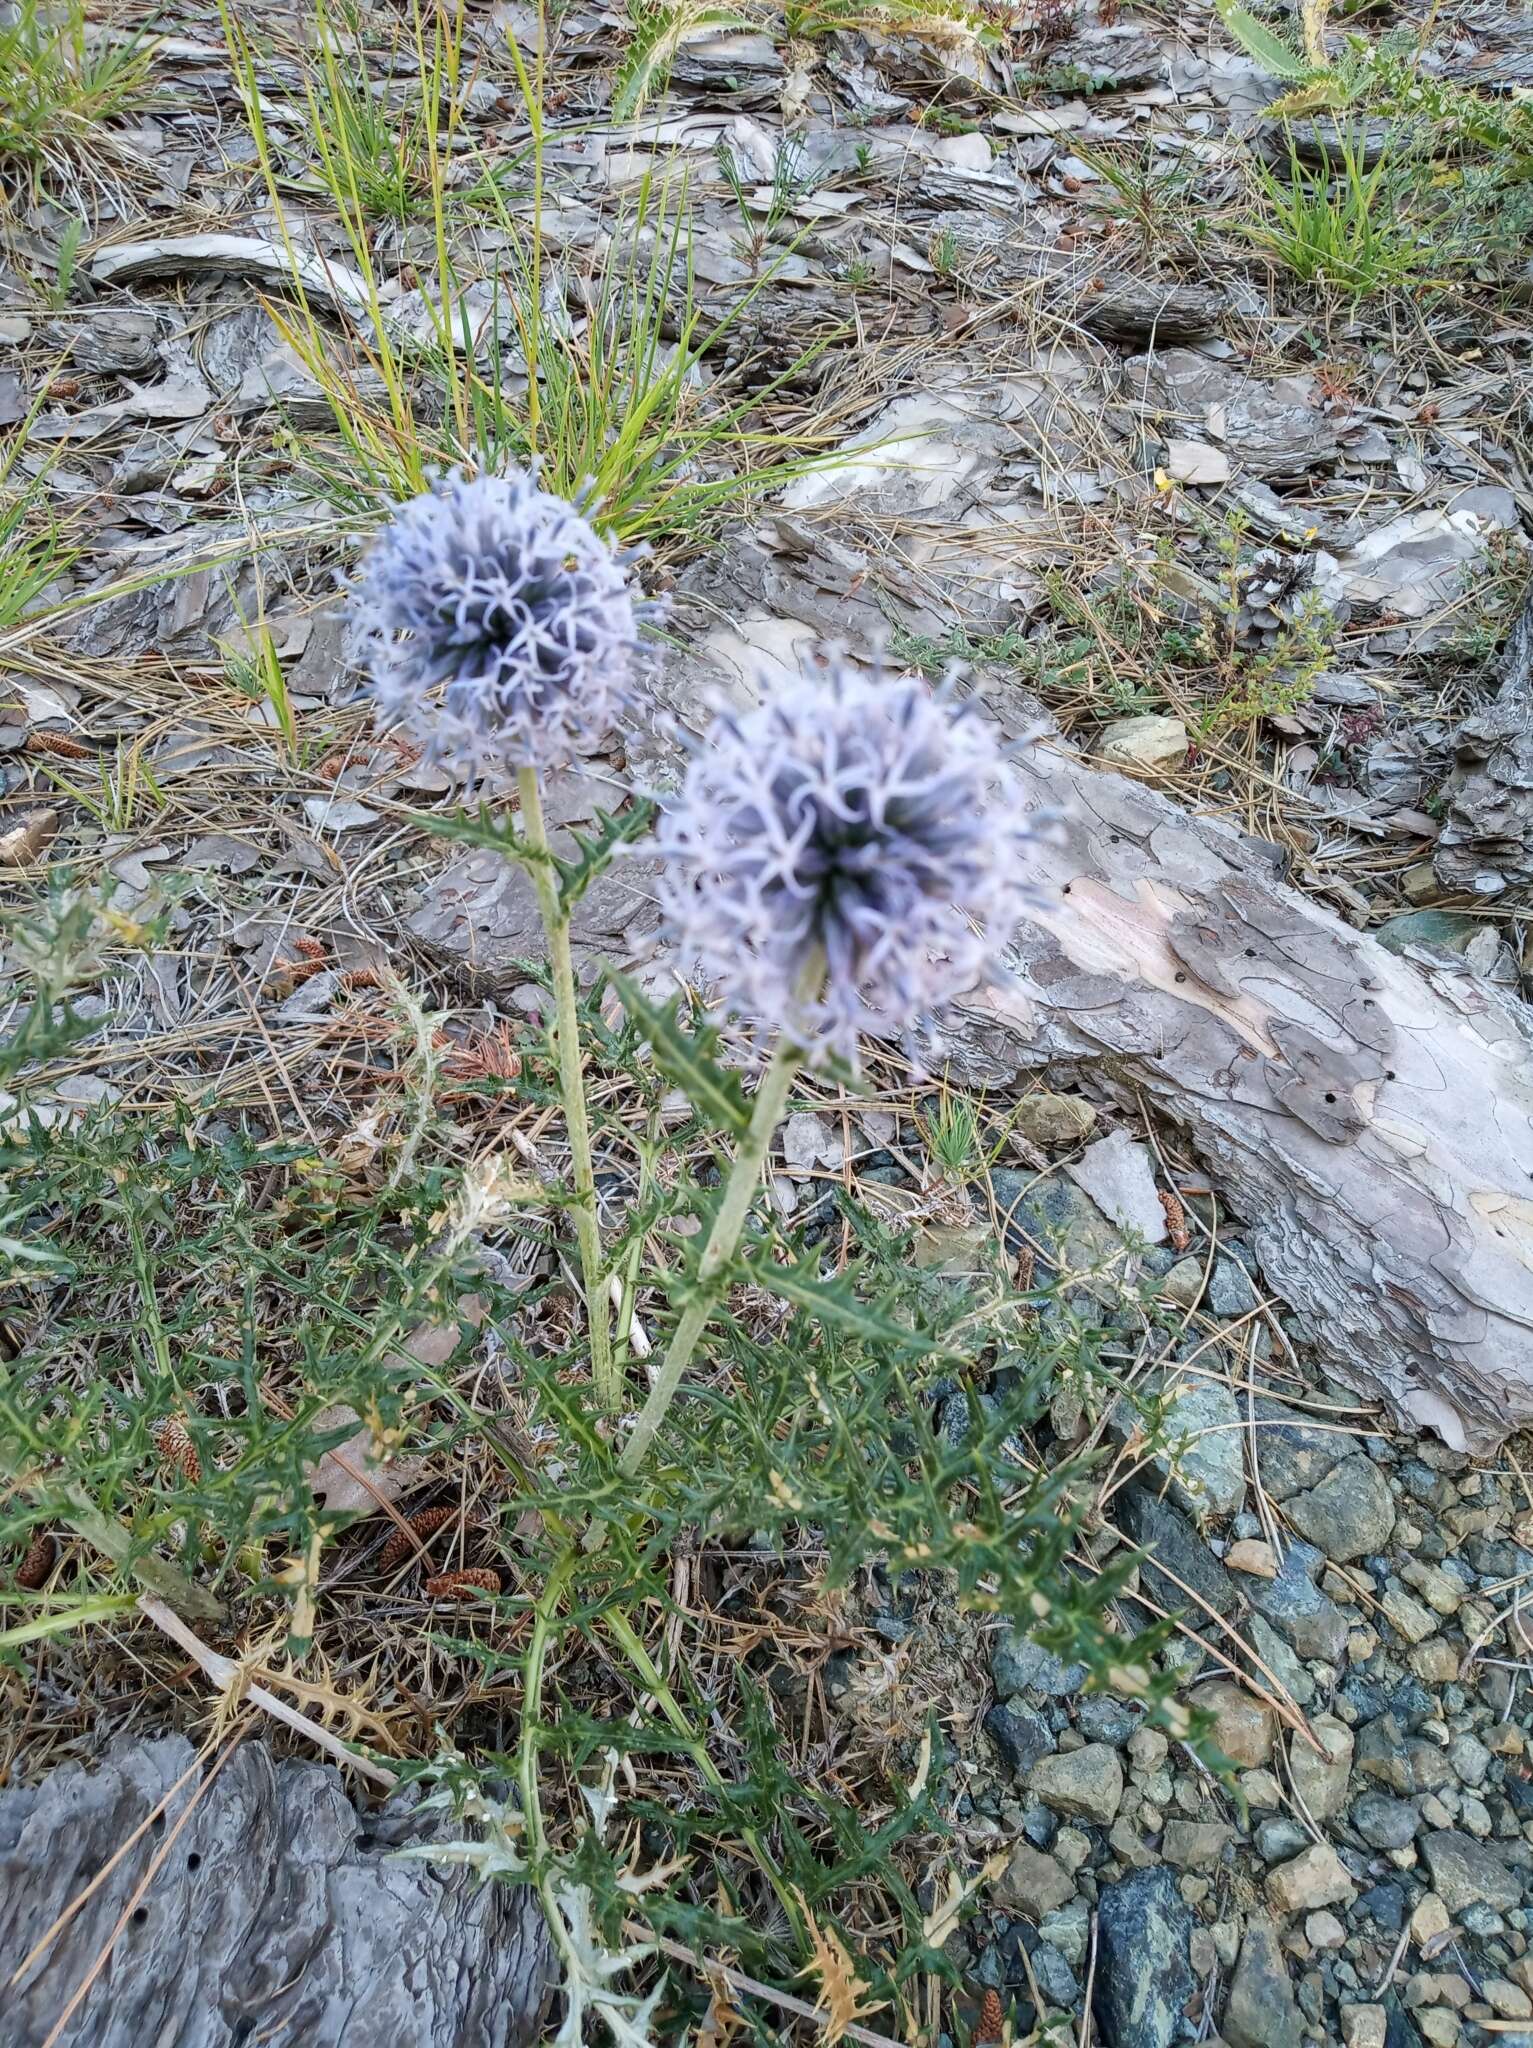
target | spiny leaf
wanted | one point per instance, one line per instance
(1259, 41)
(1319, 96)
(834, 1301)
(595, 853)
(494, 831)
(682, 1057)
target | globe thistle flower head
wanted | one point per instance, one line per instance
(847, 858)
(505, 600)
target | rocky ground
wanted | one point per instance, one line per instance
(1354, 1628)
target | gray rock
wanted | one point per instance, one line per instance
(1297, 1609)
(1056, 1980)
(1033, 1884)
(1231, 1292)
(1170, 1540)
(1144, 1978)
(1278, 1839)
(1017, 1664)
(1382, 1754)
(1466, 1873)
(1085, 1783)
(1020, 1735)
(1351, 1513)
(1205, 1454)
(1262, 2012)
(1101, 1719)
(1059, 1222)
(1291, 1456)
(1119, 1176)
(1384, 1823)
(1194, 1844)
(1469, 1758)
(278, 1913)
(1069, 1930)
(1280, 1660)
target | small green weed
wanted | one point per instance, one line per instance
(1340, 224)
(60, 85)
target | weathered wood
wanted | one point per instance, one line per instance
(278, 1914)
(1369, 1118)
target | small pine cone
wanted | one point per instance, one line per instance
(462, 1585)
(1176, 1220)
(359, 977)
(399, 1545)
(38, 1562)
(58, 744)
(178, 1450)
(991, 2025)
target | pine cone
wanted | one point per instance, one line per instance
(462, 1585)
(421, 1525)
(991, 2025)
(177, 1449)
(38, 1562)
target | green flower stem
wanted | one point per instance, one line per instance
(605, 1375)
(739, 1191)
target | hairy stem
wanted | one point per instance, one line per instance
(739, 1191)
(604, 1374)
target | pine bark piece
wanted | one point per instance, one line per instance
(1485, 847)
(279, 1913)
(1370, 1121)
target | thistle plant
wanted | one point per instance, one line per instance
(499, 630)
(845, 860)
(838, 865)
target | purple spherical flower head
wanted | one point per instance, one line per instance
(507, 601)
(854, 820)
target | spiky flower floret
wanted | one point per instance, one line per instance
(847, 858)
(506, 601)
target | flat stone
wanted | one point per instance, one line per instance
(1196, 462)
(1205, 1455)
(1321, 1781)
(1054, 1121)
(1169, 1540)
(1508, 2001)
(1144, 1978)
(1413, 1620)
(1243, 1728)
(1250, 1555)
(1317, 1878)
(1033, 1884)
(1468, 1873)
(1119, 1175)
(1364, 2026)
(1351, 1513)
(1085, 1783)
(1194, 1845)
(1262, 2011)
(1297, 1609)
(1149, 742)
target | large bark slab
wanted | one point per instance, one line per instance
(279, 1913)
(1368, 1117)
